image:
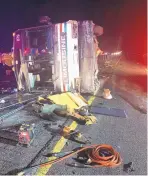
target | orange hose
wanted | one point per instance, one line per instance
(110, 161)
(93, 154)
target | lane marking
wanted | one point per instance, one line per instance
(91, 99)
(59, 145)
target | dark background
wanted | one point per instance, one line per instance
(124, 21)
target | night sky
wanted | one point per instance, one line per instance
(124, 21)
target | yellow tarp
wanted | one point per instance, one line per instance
(64, 99)
(73, 101)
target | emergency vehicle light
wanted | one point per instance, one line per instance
(116, 53)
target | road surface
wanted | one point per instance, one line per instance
(127, 135)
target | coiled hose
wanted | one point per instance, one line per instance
(93, 152)
(94, 155)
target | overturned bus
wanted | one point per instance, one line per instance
(56, 56)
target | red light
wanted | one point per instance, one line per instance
(26, 51)
(24, 134)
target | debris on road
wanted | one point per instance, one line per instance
(53, 124)
(5, 116)
(83, 111)
(128, 167)
(9, 90)
(2, 101)
(74, 135)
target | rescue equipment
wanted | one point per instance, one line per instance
(26, 134)
(97, 156)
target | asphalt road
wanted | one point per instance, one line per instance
(127, 135)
